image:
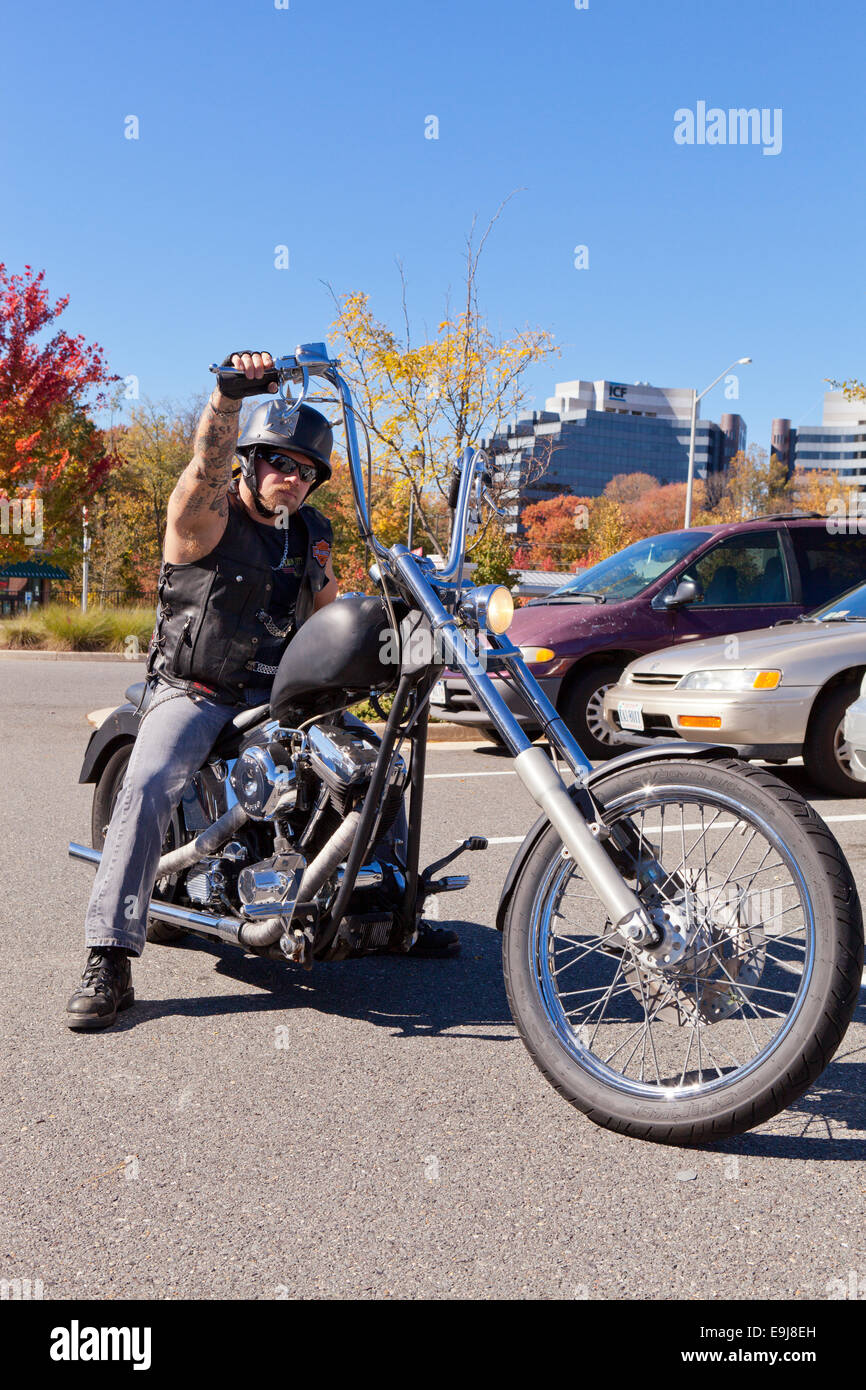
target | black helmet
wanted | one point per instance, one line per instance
(305, 430)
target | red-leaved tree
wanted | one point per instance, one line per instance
(555, 532)
(50, 449)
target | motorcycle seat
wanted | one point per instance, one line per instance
(228, 741)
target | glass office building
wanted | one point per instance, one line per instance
(590, 431)
(837, 445)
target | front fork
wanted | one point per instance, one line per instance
(532, 765)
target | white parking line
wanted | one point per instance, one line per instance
(433, 776)
(690, 825)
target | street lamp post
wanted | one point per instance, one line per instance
(690, 483)
(85, 567)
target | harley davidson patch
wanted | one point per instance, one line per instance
(321, 551)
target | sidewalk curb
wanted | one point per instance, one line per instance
(438, 730)
(28, 654)
(437, 733)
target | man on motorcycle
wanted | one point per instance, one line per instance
(245, 563)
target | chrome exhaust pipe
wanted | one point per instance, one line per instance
(332, 854)
(201, 923)
(241, 932)
(204, 844)
(90, 856)
(226, 928)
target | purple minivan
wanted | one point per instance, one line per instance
(675, 587)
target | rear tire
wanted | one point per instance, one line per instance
(582, 712)
(824, 752)
(562, 1037)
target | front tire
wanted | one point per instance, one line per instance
(766, 983)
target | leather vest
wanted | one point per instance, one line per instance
(206, 626)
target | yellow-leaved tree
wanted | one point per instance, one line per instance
(424, 398)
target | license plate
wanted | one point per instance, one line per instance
(630, 716)
(437, 694)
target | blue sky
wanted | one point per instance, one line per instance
(305, 126)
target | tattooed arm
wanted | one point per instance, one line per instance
(329, 590)
(198, 506)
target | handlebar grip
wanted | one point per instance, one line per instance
(233, 381)
(454, 489)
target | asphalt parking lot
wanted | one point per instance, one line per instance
(372, 1129)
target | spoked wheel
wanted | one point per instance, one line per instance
(747, 996)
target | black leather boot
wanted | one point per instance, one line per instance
(434, 943)
(105, 987)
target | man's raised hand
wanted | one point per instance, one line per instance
(259, 375)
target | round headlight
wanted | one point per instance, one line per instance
(500, 610)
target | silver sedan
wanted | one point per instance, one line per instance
(774, 693)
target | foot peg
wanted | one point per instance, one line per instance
(451, 883)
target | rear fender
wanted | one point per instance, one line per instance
(597, 776)
(120, 727)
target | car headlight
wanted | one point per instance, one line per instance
(537, 656)
(730, 680)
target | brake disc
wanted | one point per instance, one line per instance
(709, 956)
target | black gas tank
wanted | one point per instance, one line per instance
(339, 648)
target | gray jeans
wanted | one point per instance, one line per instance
(175, 735)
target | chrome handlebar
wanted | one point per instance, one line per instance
(312, 360)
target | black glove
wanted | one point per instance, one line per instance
(236, 387)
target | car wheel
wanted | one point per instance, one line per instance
(582, 711)
(826, 754)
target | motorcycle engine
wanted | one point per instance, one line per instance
(264, 780)
(344, 762)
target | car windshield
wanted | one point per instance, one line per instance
(632, 570)
(849, 607)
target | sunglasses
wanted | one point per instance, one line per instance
(307, 472)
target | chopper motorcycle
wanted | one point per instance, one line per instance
(682, 936)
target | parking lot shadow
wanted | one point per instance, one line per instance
(465, 998)
(411, 998)
(815, 1126)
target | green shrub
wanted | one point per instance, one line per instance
(28, 631)
(132, 622)
(64, 628)
(72, 630)
(364, 710)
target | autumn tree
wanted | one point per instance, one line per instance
(555, 532)
(128, 512)
(493, 556)
(818, 490)
(661, 508)
(50, 449)
(608, 530)
(424, 399)
(853, 389)
(755, 485)
(628, 488)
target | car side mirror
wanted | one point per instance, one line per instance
(687, 591)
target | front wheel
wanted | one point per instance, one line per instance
(744, 1002)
